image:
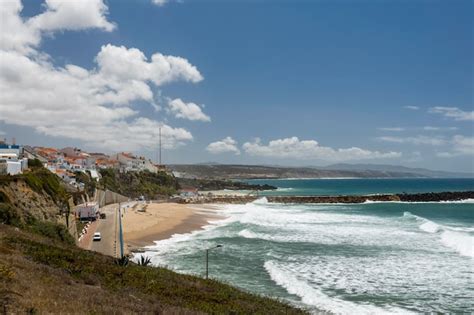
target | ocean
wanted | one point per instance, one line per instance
(371, 258)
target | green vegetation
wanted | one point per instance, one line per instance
(53, 276)
(136, 184)
(41, 179)
(89, 183)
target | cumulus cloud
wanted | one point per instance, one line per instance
(411, 107)
(223, 146)
(23, 34)
(417, 140)
(310, 149)
(190, 111)
(453, 112)
(121, 63)
(72, 15)
(94, 105)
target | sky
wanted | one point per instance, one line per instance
(299, 83)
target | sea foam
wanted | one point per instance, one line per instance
(455, 238)
(312, 296)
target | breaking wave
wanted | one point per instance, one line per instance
(455, 238)
(312, 296)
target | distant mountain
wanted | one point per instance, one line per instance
(226, 171)
(422, 172)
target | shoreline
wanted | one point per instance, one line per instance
(161, 221)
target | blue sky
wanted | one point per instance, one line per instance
(354, 81)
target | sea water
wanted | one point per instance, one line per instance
(370, 258)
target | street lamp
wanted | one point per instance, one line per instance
(207, 259)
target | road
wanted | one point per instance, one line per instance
(108, 229)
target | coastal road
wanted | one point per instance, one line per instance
(108, 229)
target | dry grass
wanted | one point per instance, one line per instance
(42, 275)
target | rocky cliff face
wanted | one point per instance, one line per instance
(29, 203)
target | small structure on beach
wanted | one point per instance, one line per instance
(189, 192)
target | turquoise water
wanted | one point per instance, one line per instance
(371, 258)
(310, 187)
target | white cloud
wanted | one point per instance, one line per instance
(223, 146)
(461, 145)
(96, 105)
(411, 107)
(310, 149)
(432, 128)
(453, 112)
(417, 140)
(72, 15)
(159, 2)
(122, 63)
(392, 129)
(190, 111)
(23, 35)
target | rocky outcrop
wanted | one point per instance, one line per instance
(332, 199)
(441, 196)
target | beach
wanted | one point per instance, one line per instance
(145, 223)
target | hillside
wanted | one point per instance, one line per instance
(222, 171)
(422, 172)
(37, 195)
(136, 184)
(225, 171)
(43, 275)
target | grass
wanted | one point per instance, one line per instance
(50, 275)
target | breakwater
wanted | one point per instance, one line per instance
(419, 197)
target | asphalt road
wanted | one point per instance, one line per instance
(108, 228)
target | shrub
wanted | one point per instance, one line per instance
(34, 163)
(9, 215)
(50, 230)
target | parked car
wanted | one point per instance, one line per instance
(97, 237)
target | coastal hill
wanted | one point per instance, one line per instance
(226, 171)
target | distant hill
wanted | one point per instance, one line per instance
(223, 171)
(422, 172)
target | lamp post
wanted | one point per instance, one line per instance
(207, 259)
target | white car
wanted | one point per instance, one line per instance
(97, 237)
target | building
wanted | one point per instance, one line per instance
(12, 160)
(129, 162)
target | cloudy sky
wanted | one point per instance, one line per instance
(266, 82)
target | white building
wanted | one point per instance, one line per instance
(10, 157)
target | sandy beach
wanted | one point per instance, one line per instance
(161, 220)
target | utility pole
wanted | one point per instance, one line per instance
(207, 259)
(159, 155)
(120, 231)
